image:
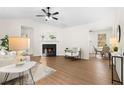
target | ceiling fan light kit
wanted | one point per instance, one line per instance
(48, 15)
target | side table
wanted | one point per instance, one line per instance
(10, 69)
(114, 66)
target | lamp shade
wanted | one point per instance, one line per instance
(114, 41)
(18, 43)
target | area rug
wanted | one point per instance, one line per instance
(39, 72)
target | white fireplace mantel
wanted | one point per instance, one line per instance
(50, 42)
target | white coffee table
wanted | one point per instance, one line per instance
(20, 69)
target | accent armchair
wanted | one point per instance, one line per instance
(105, 52)
(74, 53)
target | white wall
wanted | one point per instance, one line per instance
(9, 27)
(38, 40)
(67, 37)
(121, 45)
(28, 32)
(77, 37)
(121, 22)
(12, 27)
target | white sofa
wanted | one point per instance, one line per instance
(7, 59)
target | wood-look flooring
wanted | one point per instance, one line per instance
(79, 72)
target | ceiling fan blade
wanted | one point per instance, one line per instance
(44, 11)
(40, 15)
(55, 13)
(55, 18)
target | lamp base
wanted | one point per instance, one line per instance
(20, 63)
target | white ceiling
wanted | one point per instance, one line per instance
(68, 16)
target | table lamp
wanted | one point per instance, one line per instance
(113, 42)
(20, 45)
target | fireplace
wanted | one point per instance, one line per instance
(49, 49)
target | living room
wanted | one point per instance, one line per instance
(14, 25)
(71, 29)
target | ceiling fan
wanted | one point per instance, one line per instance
(48, 15)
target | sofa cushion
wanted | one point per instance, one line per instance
(7, 58)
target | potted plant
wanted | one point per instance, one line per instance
(116, 49)
(4, 43)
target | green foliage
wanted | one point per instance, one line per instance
(115, 49)
(52, 36)
(5, 43)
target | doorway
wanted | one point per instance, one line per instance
(28, 32)
(98, 39)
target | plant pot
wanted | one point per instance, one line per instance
(115, 49)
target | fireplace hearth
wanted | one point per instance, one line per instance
(49, 49)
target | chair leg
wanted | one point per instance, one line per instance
(73, 58)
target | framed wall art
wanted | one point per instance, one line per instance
(101, 39)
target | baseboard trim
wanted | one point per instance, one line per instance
(59, 56)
